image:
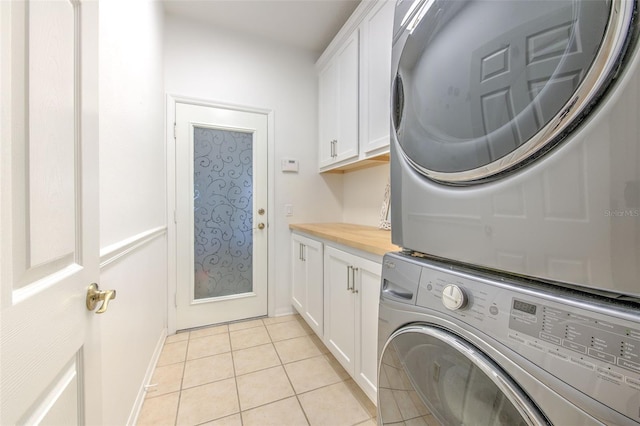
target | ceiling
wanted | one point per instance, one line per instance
(307, 24)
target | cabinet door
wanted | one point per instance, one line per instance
(375, 78)
(314, 312)
(339, 314)
(348, 60)
(368, 279)
(298, 275)
(328, 112)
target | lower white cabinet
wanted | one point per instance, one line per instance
(307, 281)
(351, 294)
(337, 293)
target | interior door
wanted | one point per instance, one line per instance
(50, 370)
(221, 187)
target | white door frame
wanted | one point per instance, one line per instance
(171, 102)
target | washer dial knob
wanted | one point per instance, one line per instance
(453, 297)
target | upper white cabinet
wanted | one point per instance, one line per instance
(354, 90)
(338, 109)
(375, 78)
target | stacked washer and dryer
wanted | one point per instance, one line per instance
(515, 194)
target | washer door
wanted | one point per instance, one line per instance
(433, 377)
(483, 86)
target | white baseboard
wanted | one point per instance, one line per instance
(142, 392)
(285, 311)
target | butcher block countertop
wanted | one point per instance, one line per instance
(366, 238)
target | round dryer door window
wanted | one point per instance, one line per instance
(483, 86)
(430, 376)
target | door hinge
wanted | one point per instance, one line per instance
(175, 299)
(175, 217)
(174, 131)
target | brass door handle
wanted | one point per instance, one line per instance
(94, 295)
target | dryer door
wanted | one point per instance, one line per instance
(433, 377)
(483, 86)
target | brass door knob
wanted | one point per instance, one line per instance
(95, 295)
(261, 225)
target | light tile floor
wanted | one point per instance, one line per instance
(272, 371)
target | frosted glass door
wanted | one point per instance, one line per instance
(222, 231)
(222, 212)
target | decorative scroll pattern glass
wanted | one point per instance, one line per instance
(223, 212)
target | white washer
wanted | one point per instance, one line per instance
(516, 138)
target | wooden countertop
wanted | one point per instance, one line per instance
(366, 238)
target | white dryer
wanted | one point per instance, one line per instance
(516, 137)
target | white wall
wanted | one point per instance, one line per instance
(132, 198)
(205, 63)
(363, 195)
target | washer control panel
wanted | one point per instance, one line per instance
(580, 334)
(591, 345)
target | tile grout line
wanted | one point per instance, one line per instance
(295, 393)
(324, 356)
(184, 368)
(308, 335)
(235, 381)
(282, 365)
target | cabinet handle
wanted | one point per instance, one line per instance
(334, 152)
(349, 275)
(353, 280)
(300, 251)
(304, 254)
